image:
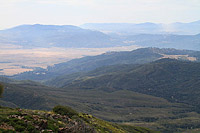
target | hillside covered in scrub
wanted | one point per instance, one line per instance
(89, 63)
(62, 119)
(161, 95)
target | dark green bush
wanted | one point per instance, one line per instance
(51, 125)
(64, 110)
(6, 131)
(1, 90)
(19, 128)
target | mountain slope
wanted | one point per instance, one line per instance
(25, 94)
(64, 80)
(20, 120)
(31, 36)
(177, 81)
(109, 93)
(120, 106)
(139, 56)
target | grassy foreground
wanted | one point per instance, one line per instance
(23, 120)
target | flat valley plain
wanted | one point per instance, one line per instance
(14, 59)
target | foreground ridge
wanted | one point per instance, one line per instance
(61, 120)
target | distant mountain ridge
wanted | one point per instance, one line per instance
(125, 28)
(90, 35)
(30, 36)
(190, 42)
(145, 28)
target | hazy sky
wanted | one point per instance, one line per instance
(76, 12)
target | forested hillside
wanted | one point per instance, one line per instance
(177, 81)
(139, 56)
(161, 95)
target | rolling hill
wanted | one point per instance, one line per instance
(176, 81)
(139, 56)
(162, 95)
(121, 106)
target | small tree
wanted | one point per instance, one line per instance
(64, 110)
(1, 90)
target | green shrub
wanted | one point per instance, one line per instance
(31, 128)
(19, 128)
(64, 110)
(6, 131)
(1, 90)
(52, 126)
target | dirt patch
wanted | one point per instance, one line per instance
(184, 57)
